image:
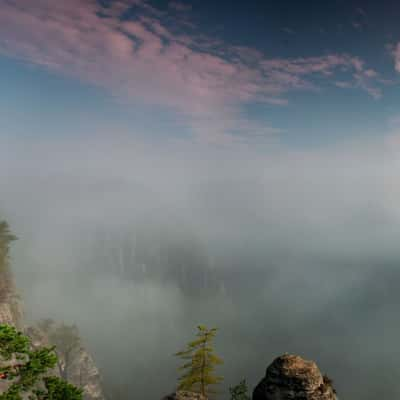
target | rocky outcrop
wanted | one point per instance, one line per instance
(10, 302)
(185, 395)
(80, 368)
(290, 377)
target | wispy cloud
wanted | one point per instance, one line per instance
(179, 6)
(149, 60)
(288, 31)
(395, 50)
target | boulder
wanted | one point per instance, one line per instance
(185, 395)
(291, 377)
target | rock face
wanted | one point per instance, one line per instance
(185, 395)
(83, 372)
(10, 303)
(290, 377)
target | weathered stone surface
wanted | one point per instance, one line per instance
(185, 395)
(291, 377)
(10, 302)
(82, 370)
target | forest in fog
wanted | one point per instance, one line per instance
(300, 258)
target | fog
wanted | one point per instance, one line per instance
(297, 252)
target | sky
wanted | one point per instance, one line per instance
(252, 73)
(267, 131)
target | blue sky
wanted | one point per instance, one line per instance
(216, 73)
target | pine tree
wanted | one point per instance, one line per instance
(201, 363)
(26, 370)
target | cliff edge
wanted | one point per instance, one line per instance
(82, 370)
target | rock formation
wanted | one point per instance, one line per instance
(290, 377)
(79, 369)
(10, 302)
(82, 370)
(185, 395)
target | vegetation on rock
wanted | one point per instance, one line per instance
(26, 370)
(6, 237)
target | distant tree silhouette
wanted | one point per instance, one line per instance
(66, 340)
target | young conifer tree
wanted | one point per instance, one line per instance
(201, 363)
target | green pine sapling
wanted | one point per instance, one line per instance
(200, 363)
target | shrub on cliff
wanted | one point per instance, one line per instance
(240, 391)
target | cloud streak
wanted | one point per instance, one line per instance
(146, 60)
(179, 6)
(396, 55)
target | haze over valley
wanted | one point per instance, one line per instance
(168, 164)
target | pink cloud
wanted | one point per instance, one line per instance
(370, 73)
(205, 80)
(344, 85)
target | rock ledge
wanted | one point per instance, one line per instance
(185, 395)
